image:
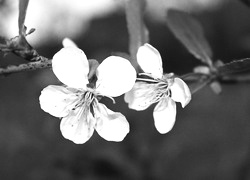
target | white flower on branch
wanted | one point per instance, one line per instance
(163, 89)
(77, 103)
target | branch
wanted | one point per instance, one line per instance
(197, 81)
(43, 63)
(237, 78)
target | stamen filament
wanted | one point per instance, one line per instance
(147, 80)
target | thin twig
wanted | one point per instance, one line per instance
(201, 86)
(242, 78)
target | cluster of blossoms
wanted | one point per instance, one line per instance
(86, 82)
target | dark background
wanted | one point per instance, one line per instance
(210, 140)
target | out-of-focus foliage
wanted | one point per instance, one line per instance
(247, 2)
(190, 33)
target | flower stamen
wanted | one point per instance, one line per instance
(147, 80)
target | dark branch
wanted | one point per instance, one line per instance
(43, 63)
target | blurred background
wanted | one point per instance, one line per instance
(211, 137)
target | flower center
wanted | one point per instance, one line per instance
(161, 90)
(161, 87)
(85, 99)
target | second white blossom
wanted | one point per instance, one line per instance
(156, 87)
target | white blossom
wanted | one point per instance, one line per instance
(163, 89)
(77, 102)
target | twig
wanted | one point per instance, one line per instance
(43, 63)
(201, 86)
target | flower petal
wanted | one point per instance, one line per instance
(71, 67)
(141, 96)
(68, 43)
(78, 126)
(180, 92)
(115, 76)
(150, 60)
(164, 115)
(57, 100)
(112, 126)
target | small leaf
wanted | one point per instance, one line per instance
(138, 33)
(30, 31)
(23, 4)
(190, 33)
(234, 66)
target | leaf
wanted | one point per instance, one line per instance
(190, 33)
(30, 31)
(234, 66)
(138, 33)
(23, 4)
